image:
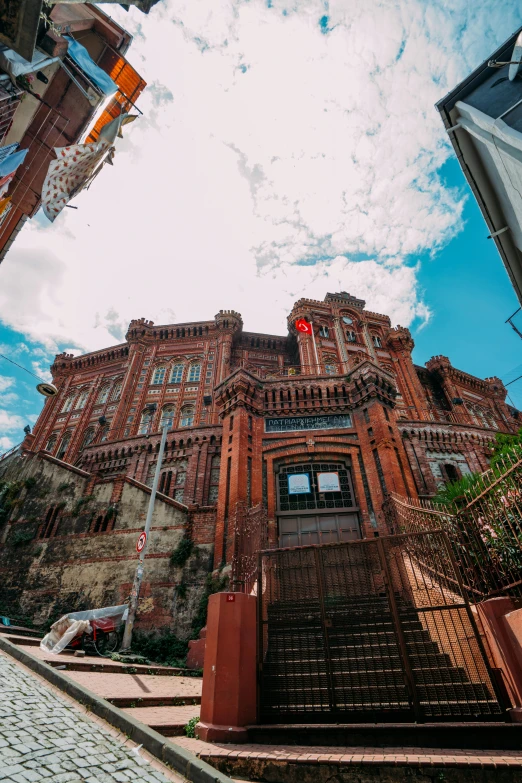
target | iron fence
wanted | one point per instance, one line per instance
(363, 631)
(484, 527)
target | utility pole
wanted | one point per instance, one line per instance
(138, 577)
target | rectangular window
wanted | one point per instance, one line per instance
(231, 427)
(249, 481)
(366, 416)
(324, 331)
(250, 423)
(370, 432)
(386, 414)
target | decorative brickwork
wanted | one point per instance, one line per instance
(247, 409)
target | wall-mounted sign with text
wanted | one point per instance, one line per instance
(298, 483)
(328, 482)
(296, 423)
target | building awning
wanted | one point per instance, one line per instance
(130, 86)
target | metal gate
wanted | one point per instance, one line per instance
(370, 630)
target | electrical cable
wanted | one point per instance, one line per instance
(22, 368)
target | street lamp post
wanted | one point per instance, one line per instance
(138, 577)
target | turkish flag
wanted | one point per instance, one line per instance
(303, 326)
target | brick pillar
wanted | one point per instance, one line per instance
(229, 696)
(502, 625)
(241, 468)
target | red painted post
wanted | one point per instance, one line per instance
(228, 700)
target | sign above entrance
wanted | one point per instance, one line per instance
(295, 423)
(328, 482)
(298, 483)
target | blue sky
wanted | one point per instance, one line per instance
(279, 155)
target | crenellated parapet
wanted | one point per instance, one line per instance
(239, 390)
(400, 339)
(140, 329)
(229, 321)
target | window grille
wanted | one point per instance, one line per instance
(187, 416)
(324, 331)
(159, 375)
(194, 372)
(314, 499)
(176, 375)
(103, 395)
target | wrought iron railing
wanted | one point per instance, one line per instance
(359, 631)
(484, 527)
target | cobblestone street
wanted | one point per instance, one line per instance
(45, 736)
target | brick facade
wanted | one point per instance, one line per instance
(385, 423)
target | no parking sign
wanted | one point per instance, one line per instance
(142, 540)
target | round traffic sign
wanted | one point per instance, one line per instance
(141, 542)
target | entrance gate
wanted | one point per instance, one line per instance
(371, 630)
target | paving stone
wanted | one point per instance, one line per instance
(46, 737)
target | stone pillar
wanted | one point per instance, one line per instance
(229, 697)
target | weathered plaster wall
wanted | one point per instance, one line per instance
(45, 572)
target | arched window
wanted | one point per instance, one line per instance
(167, 416)
(116, 391)
(82, 399)
(324, 331)
(146, 422)
(51, 443)
(104, 434)
(159, 375)
(376, 341)
(88, 438)
(350, 336)
(194, 372)
(187, 416)
(66, 407)
(64, 445)
(330, 369)
(176, 375)
(103, 395)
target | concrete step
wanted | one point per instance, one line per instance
(170, 721)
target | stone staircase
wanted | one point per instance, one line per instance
(365, 678)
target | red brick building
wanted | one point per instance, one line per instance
(253, 413)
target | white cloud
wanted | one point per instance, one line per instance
(6, 382)
(265, 145)
(10, 422)
(6, 443)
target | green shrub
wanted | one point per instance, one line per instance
(21, 536)
(182, 552)
(181, 591)
(165, 648)
(30, 482)
(452, 493)
(80, 503)
(212, 585)
(64, 486)
(190, 728)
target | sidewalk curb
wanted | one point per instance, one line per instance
(181, 760)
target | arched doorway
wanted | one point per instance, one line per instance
(316, 503)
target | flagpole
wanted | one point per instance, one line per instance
(315, 347)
